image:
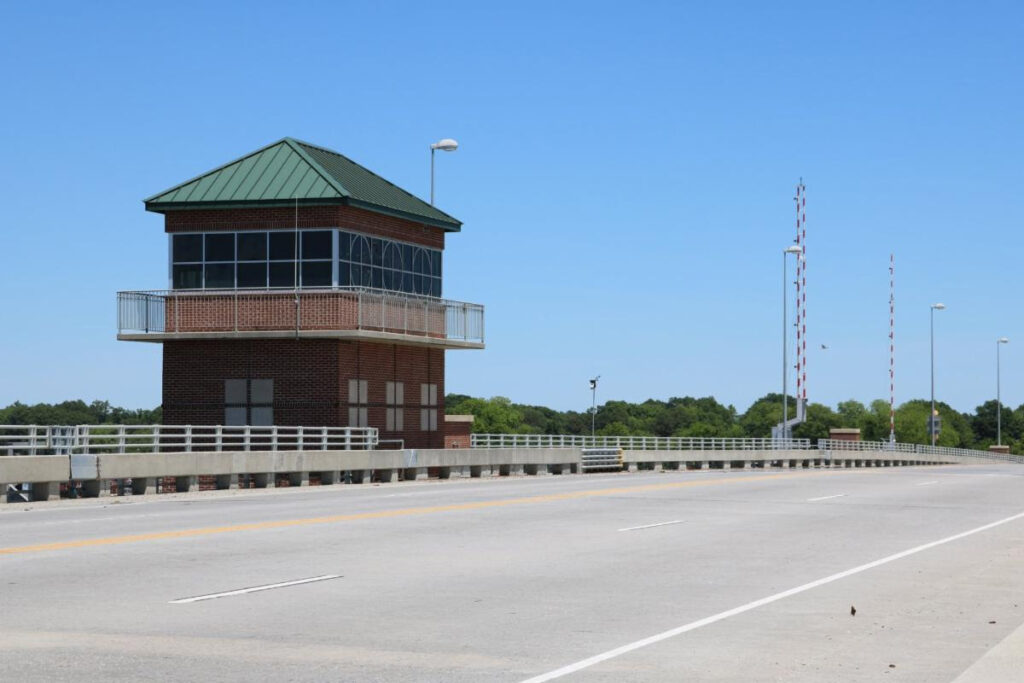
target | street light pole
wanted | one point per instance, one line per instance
(931, 417)
(593, 406)
(445, 145)
(999, 400)
(785, 343)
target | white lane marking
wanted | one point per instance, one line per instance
(651, 526)
(814, 500)
(925, 483)
(692, 626)
(254, 589)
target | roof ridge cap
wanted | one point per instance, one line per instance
(376, 175)
(213, 170)
(296, 146)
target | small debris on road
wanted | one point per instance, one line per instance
(853, 611)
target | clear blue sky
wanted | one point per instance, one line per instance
(625, 177)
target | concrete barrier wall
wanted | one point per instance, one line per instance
(264, 468)
(17, 469)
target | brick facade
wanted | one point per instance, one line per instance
(311, 376)
(310, 381)
(283, 218)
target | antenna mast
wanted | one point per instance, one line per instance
(892, 348)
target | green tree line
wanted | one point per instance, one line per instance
(685, 416)
(76, 413)
(690, 416)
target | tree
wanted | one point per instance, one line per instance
(820, 420)
(765, 413)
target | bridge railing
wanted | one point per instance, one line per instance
(917, 449)
(635, 443)
(92, 439)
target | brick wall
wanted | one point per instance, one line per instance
(283, 218)
(458, 431)
(310, 381)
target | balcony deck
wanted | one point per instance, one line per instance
(343, 313)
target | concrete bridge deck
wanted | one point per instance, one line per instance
(676, 575)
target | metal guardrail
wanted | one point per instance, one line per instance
(917, 449)
(305, 310)
(94, 439)
(600, 459)
(635, 443)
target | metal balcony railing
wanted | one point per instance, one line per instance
(635, 443)
(305, 312)
(915, 448)
(87, 439)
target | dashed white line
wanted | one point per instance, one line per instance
(925, 483)
(814, 500)
(254, 589)
(692, 626)
(651, 526)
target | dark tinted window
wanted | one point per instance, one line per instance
(282, 274)
(316, 245)
(252, 274)
(360, 249)
(187, 277)
(187, 248)
(252, 246)
(282, 246)
(220, 247)
(316, 274)
(220, 275)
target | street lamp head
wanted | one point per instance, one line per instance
(445, 145)
(593, 382)
(1003, 340)
(792, 250)
(939, 307)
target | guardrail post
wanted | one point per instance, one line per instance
(188, 438)
(247, 438)
(323, 438)
(300, 440)
(219, 438)
(120, 439)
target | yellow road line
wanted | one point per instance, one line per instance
(381, 514)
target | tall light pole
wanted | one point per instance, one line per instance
(999, 400)
(593, 406)
(931, 417)
(445, 145)
(785, 343)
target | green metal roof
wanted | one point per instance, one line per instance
(290, 169)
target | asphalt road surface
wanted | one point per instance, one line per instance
(681, 576)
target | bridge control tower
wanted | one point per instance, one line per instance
(303, 289)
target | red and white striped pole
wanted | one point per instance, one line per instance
(803, 287)
(801, 294)
(892, 348)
